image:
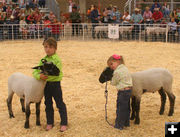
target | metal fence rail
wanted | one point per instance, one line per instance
(87, 31)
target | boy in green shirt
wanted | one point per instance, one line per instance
(53, 86)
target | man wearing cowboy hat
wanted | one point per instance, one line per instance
(157, 16)
(136, 19)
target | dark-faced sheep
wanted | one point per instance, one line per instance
(151, 80)
(29, 89)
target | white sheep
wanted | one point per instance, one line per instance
(151, 80)
(29, 89)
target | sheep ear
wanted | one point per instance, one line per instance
(37, 67)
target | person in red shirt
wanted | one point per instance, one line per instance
(47, 28)
(56, 27)
(157, 16)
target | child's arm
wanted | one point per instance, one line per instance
(115, 79)
(36, 72)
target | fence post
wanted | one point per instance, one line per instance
(166, 33)
(12, 31)
(83, 30)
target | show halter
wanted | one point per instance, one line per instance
(106, 96)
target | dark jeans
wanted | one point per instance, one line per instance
(75, 26)
(123, 109)
(53, 89)
(135, 32)
(93, 32)
(171, 35)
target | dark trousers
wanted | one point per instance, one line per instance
(93, 32)
(53, 89)
(75, 26)
(123, 109)
(135, 32)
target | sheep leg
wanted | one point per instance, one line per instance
(9, 104)
(137, 109)
(133, 108)
(28, 112)
(172, 102)
(38, 113)
(22, 104)
(163, 101)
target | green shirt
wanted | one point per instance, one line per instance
(121, 77)
(56, 60)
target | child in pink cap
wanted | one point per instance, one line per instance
(123, 81)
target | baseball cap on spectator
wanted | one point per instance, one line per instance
(74, 7)
(156, 9)
(136, 9)
(11, 17)
(115, 7)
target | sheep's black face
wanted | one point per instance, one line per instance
(51, 69)
(48, 68)
(106, 75)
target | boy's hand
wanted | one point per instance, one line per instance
(43, 77)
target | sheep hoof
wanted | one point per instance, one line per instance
(11, 116)
(137, 122)
(38, 123)
(132, 118)
(161, 113)
(23, 109)
(170, 114)
(26, 125)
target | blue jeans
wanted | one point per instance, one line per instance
(123, 109)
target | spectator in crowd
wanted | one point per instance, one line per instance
(157, 16)
(88, 14)
(30, 18)
(172, 30)
(22, 4)
(75, 19)
(1, 7)
(39, 30)
(28, 10)
(155, 5)
(136, 19)
(23, 27)
(4, 7)
(37, 16)
(163, 23)
(115, 16)
(1, 26)
(105, 16)
(51, 16)
(16, 14)
(8, 12)
(42, 3)
(32, 30)
(178, 14)
(94, 20)
(147, 16)
(126, 18)
(47, 28)
(22, 13)
(13, 28)
(174, 15)
(56, 27)
(165, 10)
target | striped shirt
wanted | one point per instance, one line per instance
(121, 77)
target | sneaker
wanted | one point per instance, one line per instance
(48, 127)
(63, 128)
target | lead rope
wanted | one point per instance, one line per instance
(106, 96)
